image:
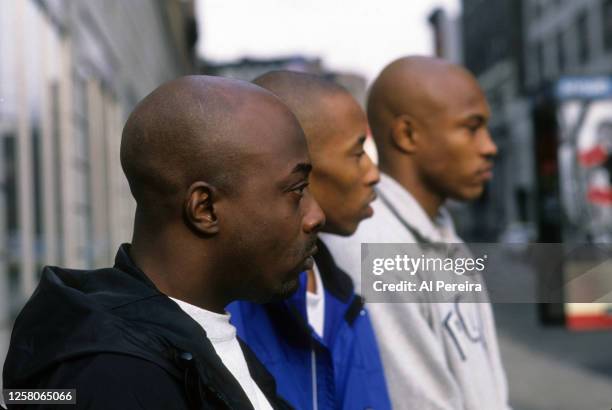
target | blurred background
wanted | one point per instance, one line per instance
(72, 70)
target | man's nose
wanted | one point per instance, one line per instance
(372, 175)
(488, 147)
(314, 218)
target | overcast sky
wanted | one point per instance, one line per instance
(360, 36)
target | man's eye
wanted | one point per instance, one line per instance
(473, 129)
(300, 189)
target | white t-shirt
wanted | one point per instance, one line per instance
(315, 304)
(222, 335)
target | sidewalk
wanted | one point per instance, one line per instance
(552, 368)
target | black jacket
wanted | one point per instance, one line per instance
(122, 344)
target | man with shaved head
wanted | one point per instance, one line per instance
(219, 170)
(319, 343)
(429, 121)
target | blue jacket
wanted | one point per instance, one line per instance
(344, 365)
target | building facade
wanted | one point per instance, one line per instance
(447, 37)
(566, 37)
(248, 69)
(517, 48)
(71, 72)
(493, 43)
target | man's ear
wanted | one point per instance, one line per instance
(199, 208)
(403, 133)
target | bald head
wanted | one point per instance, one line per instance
(335, 126)
(309, 97)
(429, 119)
(193, 128)
(422, 88)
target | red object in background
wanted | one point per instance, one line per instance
(600, 196)
(589, 322)
(593, 157)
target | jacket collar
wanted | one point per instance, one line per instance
(125, 263)
(290, 315)
(189, 347)
(335, 280)
(440, 229)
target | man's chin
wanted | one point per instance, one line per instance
(347, 229)
(282, 292)
(468, 194)
(279, 293)
(473, 194)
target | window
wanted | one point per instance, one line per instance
(582, 29)
(37, 199)
(81, 173)
(561, 60)
(9, 164)
(540, 61)
(10, 185)
(607, 24)
(57, 171)
(537, 9)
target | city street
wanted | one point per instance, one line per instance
(552, 368)
(548, 367)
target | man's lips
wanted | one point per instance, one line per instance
(369, 211)
(309, 260)
(372, 197)
(313, 251)
(486, 172)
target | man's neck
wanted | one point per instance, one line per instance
(174, 275)
(409, 180)
(311, 282)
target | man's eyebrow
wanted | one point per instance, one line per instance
(302, 168)
(476, 117)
